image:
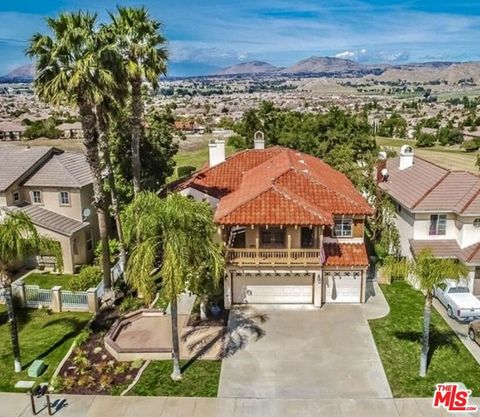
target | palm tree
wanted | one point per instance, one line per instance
(430, 272)
(175, 236)
(18, 239)
(73, 68)
(138, 39)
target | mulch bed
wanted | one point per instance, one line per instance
(219, 321)
(90, 369)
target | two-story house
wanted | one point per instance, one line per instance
(436, 208)
(54, 188)
(292, 226)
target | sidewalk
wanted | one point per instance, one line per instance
(18, 405)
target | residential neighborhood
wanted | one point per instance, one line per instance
(239, 210)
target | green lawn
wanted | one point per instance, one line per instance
(42, 336)
(47, 280)
(200, 379)
(398, 339)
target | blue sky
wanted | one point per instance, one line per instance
(207, 34)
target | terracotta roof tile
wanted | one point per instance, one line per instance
(345, 254)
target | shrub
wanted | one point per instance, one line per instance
(470, 146)
(131, 303)
(185, 171)
(89, 277)
(114, 246)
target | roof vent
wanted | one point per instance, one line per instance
(384, 173)
(259, 140)
(406, 157)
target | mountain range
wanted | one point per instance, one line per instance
(320, 66)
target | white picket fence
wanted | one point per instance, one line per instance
(75, 300)
(36, 296)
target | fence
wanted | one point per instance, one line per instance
(74, 300)
(35, 296)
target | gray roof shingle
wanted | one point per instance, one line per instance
(50, 220)
(16, 161)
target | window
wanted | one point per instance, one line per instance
(36, 197)
(476, 223)
(438, 224)
(16, 196)
(307, 239)
(272, 237)
(343, 228)
(64, 197)
(89, 240)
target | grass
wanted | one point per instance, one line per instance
(398, 339)
(200, 379)
(47, 280)
(42, 336)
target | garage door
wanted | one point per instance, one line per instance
(271, 289)
(342, 286)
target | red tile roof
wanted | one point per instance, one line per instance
(278, 186)
(345, 254)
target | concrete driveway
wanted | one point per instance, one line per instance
(322, 354)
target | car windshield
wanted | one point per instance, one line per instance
(457, 290)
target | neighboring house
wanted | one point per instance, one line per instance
(292, 226)
(55, 189)
(474, 135)
(189, 126)
(436, 208)
(11, 131)
(71, 130)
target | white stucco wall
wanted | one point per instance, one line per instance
(199, 196)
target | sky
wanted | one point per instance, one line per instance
(206, 35)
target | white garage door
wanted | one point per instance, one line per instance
(342, 286)
(271, 289)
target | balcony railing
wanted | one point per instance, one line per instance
(243, 257)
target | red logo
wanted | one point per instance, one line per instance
(453, 396)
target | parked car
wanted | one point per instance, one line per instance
(474, 331)
(460, 303)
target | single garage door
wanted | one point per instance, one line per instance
(342, 286)
(272, 289)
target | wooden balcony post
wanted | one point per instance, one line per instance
(289, 247)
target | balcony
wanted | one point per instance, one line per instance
(273, 257)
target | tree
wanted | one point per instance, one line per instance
(137, 38)
(174, 236)
(18, 239)
(72, 68)
(430, 272)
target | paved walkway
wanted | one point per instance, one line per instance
(461, 329)
(17, 405)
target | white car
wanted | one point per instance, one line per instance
(460, 303)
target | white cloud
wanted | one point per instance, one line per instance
(366, 56)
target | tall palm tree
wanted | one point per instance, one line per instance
(174, 235)
(72, 68)
(138, 39)
(430, 272)
(18, 239)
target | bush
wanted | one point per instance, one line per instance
(237, 141)
(470, 146)
(131, 303)
(185, 171)
(114, 246)
(424, 140)
(89, 277)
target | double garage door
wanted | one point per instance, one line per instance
(338, 287)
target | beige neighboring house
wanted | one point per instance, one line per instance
(10, 131)
(436, 208)
(55, 189)
(71, 130)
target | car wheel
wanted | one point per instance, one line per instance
(471, 334)
(450, 312)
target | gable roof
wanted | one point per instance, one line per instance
(426, 186)
(16, 161)
(278, 186)
(63, 170)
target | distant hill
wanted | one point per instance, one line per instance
(318, 64)
(24, 73)
(253, 67)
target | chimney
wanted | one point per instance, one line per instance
(258, 140)
(406, 157)
(216, 151)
